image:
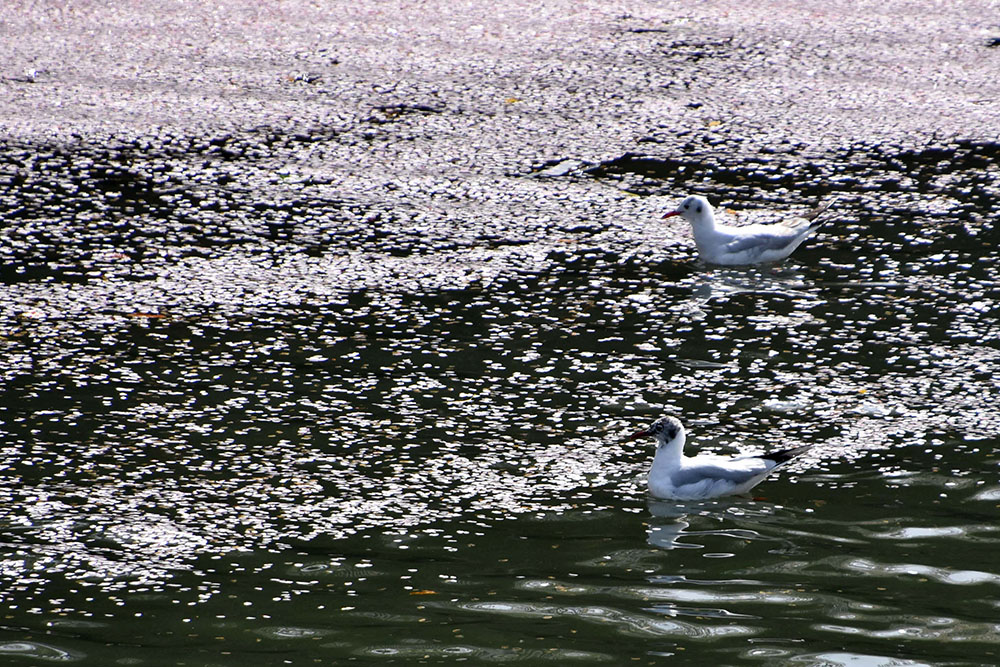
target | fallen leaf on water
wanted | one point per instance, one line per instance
(424, 592)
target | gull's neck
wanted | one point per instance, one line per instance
(668, 454)
(706, 233)
(704, 222)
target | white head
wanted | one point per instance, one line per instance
(695, 210)
(666, 430)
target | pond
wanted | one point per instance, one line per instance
(259, 454)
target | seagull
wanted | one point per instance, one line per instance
(678, 477)
(752, 244)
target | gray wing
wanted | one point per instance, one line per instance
(764, 241)
(736, 475)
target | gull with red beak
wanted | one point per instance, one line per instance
(678, 477)
(752, 244)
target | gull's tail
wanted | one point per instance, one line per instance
(813, 216)
(785, 455)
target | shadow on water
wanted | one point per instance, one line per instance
(962, 172)
(240, 430)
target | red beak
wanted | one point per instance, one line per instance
(639, 434)
(671, 214)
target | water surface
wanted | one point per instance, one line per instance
(288, 451)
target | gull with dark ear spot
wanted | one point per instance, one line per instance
(752, 244)
(678, 477)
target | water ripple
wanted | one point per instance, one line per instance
(38, 651)
(628, 623)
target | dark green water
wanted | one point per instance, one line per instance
(257, 459)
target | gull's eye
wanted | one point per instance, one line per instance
(687, 206)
